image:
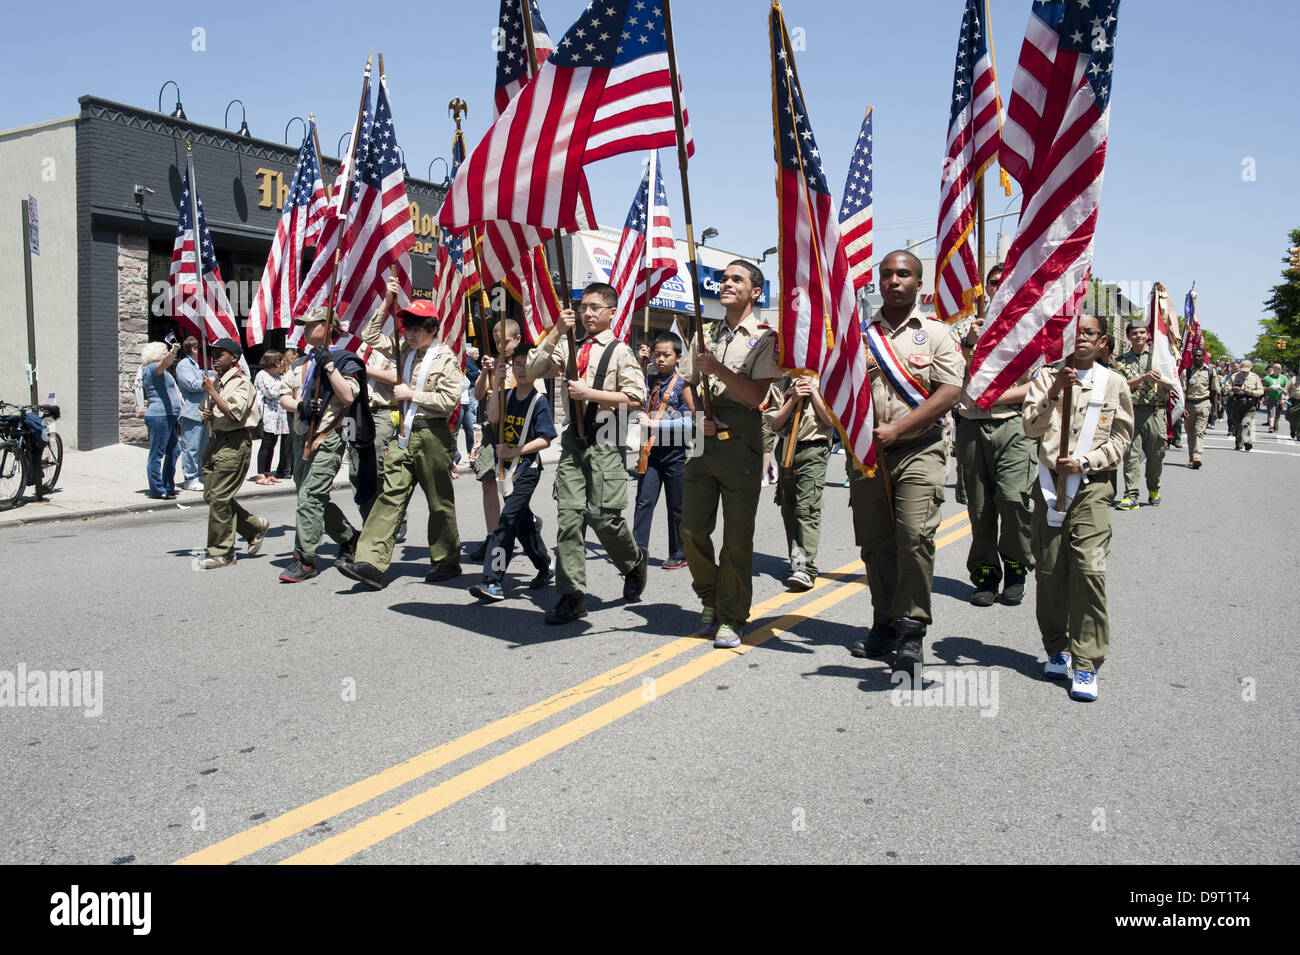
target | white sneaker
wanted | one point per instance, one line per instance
(800, 580)
(1058, 667)
(1084, 686)
(195, 485)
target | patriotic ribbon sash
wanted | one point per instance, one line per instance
(904, 385)
(1082, 445)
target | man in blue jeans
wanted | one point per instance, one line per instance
(193, 435)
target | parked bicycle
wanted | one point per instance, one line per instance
(31, 451)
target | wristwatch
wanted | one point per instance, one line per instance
(329, 368)
(1085, 466)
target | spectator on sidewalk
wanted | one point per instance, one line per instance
(275, 420)
(1275, 387)
(162, 401)
(193, 435)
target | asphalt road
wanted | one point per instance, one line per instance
(248, 720)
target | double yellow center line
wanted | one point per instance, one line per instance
(423, 805)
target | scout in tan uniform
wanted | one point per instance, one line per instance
(319, 420)
(799, 487)
(591, 479)
(737, 369)
(1201, 390)
(1150, 395)
(921, 381)
(231, 411)
(1245, 389)
(421, 454)
(1071, 545)
(381, 376)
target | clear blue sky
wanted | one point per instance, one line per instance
(1199, 88)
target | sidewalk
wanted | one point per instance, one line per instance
(112, 481)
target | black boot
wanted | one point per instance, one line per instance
(909, 656)
(880, 640)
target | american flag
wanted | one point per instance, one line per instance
(640, 268)
(531, 285)
(856, 224)
(604, 91)
(457, 276)
(819, 316)
(1054, 145)
(974, 121)
(316, 286)
(300, 224)
(513, 67)
(198, 301)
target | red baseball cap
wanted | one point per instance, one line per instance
(420, 309)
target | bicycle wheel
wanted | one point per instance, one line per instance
(13, 475)
(51, 463)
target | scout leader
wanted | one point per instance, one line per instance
(420, 453)
(231, 411)
(1072, 539)
(799, 486)
(736, 369)
(916, 376)
(323, 389)
(591, 479)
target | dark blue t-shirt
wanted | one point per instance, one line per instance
(513, 422)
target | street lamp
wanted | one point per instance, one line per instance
(446, 179)
(177, 113)
(290, 123)
(339, 147)
(243, 122)
(766, 254)
(707, 234)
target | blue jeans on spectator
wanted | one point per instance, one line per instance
(468, 418)
(162, 454)
(193, 439)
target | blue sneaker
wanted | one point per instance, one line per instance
(727, 637)
(488, 592)
(1058, 667)
(707, 625)
(1084, 686)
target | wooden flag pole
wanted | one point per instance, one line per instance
(705, 395)
(979, 245)
(315, 137)
(577, 409)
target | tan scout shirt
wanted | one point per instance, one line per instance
(1114, 428)
(924, 347)
(291, 384)
(749, 350)
(383, 355)
(238, 392)
(624, 375)
(442, 383)
(810, 425)
(1248, 383)
(1198, 383)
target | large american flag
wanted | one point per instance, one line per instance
(300, 224)
(819, 316)
(647, 254)
(513, 66)
(198, 296)
(974, 121)
(856, 226)
(1054, 145)
(532, 286)
(604, 91)
(457, 276)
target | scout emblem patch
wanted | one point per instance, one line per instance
(920, 338)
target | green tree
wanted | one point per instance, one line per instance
(1266, 350)
(1284, 325)
(1215, 346)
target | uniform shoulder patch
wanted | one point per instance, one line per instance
(920, 359)
(920, 338)
(753, 342)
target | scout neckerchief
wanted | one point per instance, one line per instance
(904, 385)
(506, 478)
(665, 390)
(408, 410)
(1100, 377)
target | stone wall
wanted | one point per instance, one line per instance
(132, 330)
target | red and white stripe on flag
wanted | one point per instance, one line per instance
(530, 284)
(647, 254)
(818, 323)
(299, 226)
(1054, 144)
(973, 137)
(604, 91)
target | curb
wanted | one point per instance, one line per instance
(145, 507)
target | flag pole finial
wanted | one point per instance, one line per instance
(456, 109)
(369, 56)
(382, 74)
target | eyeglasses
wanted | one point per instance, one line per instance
(594, 309)
(1088, 336)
